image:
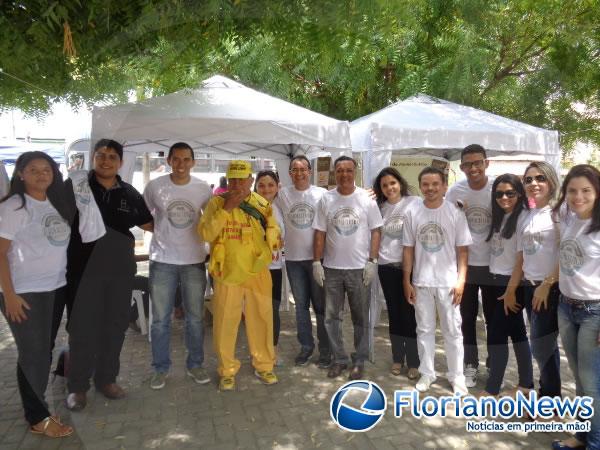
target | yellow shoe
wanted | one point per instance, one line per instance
(266, 377)
(227, 384)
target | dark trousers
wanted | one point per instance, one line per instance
(276, 295)
(33, 341)
(99, 319)
(544, 338)
(401, 316)
(500, 329)
(478, 277)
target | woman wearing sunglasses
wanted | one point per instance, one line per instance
(509, 209)
(579, 275)
(538, 244)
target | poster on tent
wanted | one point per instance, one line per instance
(324, 175)
(410, 166)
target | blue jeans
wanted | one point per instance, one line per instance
(164, 279)
(306, 291)
(544, 339)
(579, 327)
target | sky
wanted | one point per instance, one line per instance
(61, 123)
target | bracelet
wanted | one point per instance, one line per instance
(549, 281)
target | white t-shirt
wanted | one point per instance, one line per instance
(37, 256)
(299, 209)
(435, 234)
(394, 216)
(176, 210)
(579, 274)
(348, 221)
(538, 240)
(277, 256)
(91, 224)
(504, 251)
(478, 209)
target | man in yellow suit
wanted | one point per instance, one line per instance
(242, 232)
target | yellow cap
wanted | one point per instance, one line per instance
(239, 169)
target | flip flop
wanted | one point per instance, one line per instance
(397, 369)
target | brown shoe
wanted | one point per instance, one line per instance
(113, 391)
(335, 370)
(356, 373)
(413, 373)
(76, 401)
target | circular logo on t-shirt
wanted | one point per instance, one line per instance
(346, 221)
(431, 237)
(479, 219)
(496, 245)
(301, 215)
(571, 256)
(56, 230)
(83, 193)
(532, 242)
(181, 213)
(393, 226)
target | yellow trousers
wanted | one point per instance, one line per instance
(253, 297)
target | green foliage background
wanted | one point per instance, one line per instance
(537, 61)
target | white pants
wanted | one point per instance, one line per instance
(428, 298)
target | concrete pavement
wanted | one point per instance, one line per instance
(293, 414)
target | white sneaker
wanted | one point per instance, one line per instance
(459, 388)
(424, 383)
(470, 375)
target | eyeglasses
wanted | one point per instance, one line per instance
(510, 194)
(477, 164)
(299, 170)
(538, 178)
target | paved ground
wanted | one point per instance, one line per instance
(292, 414)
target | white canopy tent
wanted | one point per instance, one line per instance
(423, 125)
(224, 117)
(221, 117)
(427, 125)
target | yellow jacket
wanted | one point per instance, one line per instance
(239, 246)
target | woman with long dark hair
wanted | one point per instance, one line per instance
(579, 281)
(393, 198)
(267, 185)
(509, 208)
(34, 234)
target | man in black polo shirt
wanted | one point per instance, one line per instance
(100, 280)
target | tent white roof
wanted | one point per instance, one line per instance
(423, 124)
(220, 116)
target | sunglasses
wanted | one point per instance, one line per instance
(477, 164)
(510, 194)
(538, 178)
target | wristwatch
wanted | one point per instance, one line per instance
(373, 260)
